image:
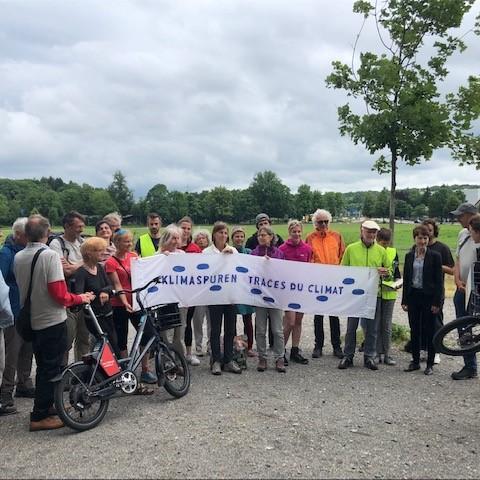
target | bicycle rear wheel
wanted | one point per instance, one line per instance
(459, 337)
(171, 364)
(74, 406)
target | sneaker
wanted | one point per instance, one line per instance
(199, 352)
(216, 368)
(389, 361)
(148, 377)
(7, 400)
(7, 410)
(297, 357)
(49, 423)
(232, 367)
(464, 374)
(345, 363)
(28, 392)
(428, 371)
(262, 365)
(436, 360)
(412, 366)
(337, 352)
(280, 366)
(370, 364)
(192, 360)
(317, 353)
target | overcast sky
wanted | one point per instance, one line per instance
(192, 94)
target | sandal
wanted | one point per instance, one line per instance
(144, 390)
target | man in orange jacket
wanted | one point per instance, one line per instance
(328, 247)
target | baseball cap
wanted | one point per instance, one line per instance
(370, 225)
(260, 217)
(464, 208)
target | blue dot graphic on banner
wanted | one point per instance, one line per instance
(256, 291)
(178, 268)
(152, 290)
(348, 281)
(268, 299)
(358, 291)
(294, 306)
(203, 266)
(322, 298)
(242, 269)
(215, 288)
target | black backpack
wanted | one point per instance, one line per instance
(59, 237)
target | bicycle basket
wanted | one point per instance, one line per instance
(165, 317)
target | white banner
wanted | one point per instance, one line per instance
(215, 279)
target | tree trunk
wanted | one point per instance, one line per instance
(393, 186)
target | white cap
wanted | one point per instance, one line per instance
(370, 225)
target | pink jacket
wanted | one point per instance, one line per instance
(300, 253)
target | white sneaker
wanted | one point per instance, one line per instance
(436, 360)
(192, 360)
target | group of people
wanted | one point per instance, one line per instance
(68, 270)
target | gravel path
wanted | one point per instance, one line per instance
(314, 421)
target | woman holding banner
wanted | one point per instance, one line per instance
(266, 249)
(295, 249)
(219, 313)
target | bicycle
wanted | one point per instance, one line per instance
(83, 389)
(461, 336)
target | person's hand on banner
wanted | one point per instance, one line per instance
(227, 249)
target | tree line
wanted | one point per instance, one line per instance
(52, 197)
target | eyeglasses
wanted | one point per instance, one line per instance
(322, 222)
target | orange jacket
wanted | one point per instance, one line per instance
(327, 248)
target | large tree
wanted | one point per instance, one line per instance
(120, 193)
(406, 116)
(270, 194)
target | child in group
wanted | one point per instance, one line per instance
(266, 248)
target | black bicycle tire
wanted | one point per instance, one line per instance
(449, 327)
(170, 387)
(64, 415)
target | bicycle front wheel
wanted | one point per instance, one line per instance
(76, 408)
(459, 337)
(171, 364)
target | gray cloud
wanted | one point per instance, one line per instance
(192, 94)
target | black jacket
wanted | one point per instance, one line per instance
(432, 277)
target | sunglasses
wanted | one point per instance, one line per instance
(322, 222)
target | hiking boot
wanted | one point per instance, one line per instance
(464, 374)
(280, 366)
(232, 367)
(262, 365)
(216, 368)
(345, 363)
(337, 352)
(7, 410)
(369, 363)
(317, 353)
(297, 357)
(49, 423)
(412, 366)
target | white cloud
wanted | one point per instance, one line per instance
(191, 94)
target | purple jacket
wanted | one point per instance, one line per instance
(300, 253)
(272, 252)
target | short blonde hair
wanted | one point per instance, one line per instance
(90, 245)
(294, 223)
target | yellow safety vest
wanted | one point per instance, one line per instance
(388, 286)
(147, 249)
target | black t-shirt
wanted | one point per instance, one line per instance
(155, 242)
(445, 253)
(86, 282)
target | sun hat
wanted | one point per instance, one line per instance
(370, 225)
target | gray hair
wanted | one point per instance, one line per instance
(18, 226)
(321, 211)
(167, 235)
(203, 232)
(113, 217)
(37, 228)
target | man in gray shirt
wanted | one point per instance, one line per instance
(49, 297)
(6, 320)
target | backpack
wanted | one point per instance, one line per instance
(59, 236)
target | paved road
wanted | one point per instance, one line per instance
(314, 421)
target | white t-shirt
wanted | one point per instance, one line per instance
(45, 311)
(73, 248)
(467, 254)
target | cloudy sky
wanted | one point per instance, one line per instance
(192, 94)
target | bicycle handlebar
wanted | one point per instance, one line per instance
(139, 289)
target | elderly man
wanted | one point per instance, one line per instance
(364, 253)
(147, 244)
(49, 297)
(328, 247)
(68, 247)
(466, 255)
(18, 353)
(6, 321)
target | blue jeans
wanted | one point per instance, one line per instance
(469, 360)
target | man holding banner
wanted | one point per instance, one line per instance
(364, 253)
